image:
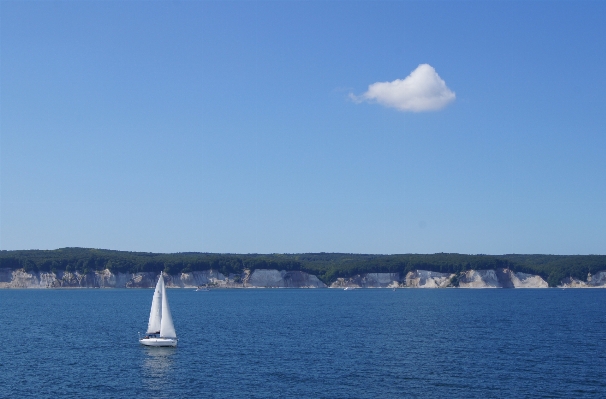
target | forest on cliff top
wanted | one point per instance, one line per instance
(327, 266)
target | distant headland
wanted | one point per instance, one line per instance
(101, 268)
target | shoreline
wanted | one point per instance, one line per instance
(281, 279)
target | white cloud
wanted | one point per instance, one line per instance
(422, 90)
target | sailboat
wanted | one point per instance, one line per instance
(160, 329)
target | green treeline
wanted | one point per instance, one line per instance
(327, 266)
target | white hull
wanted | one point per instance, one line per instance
(159, 341)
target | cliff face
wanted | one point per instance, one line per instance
(500, 278)
(593, 281)
(369, 280)
(479, 279)
(21, 279)
(599, 280)
(262, 278)
(426, 279)
(197, 279)
(524, 280)
(106, 279)
(100, 279)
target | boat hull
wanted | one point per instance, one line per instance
(158, 341)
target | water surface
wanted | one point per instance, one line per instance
(260, 343)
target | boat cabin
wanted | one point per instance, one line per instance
(152, 335)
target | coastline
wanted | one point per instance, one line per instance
(271, 278)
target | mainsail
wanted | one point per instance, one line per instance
(167, 328)
(155, 315)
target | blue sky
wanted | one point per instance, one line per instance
(244, 127)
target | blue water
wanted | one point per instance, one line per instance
(307, 343)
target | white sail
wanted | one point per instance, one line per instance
(167, 328)
(155, 315)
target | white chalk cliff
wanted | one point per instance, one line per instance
(524, 280)
(500, 278)
(593, 281)
(479, 279)
(264, 278)
(369, 280)
(427, 279)
(106, 279)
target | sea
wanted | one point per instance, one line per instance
(306, 343)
